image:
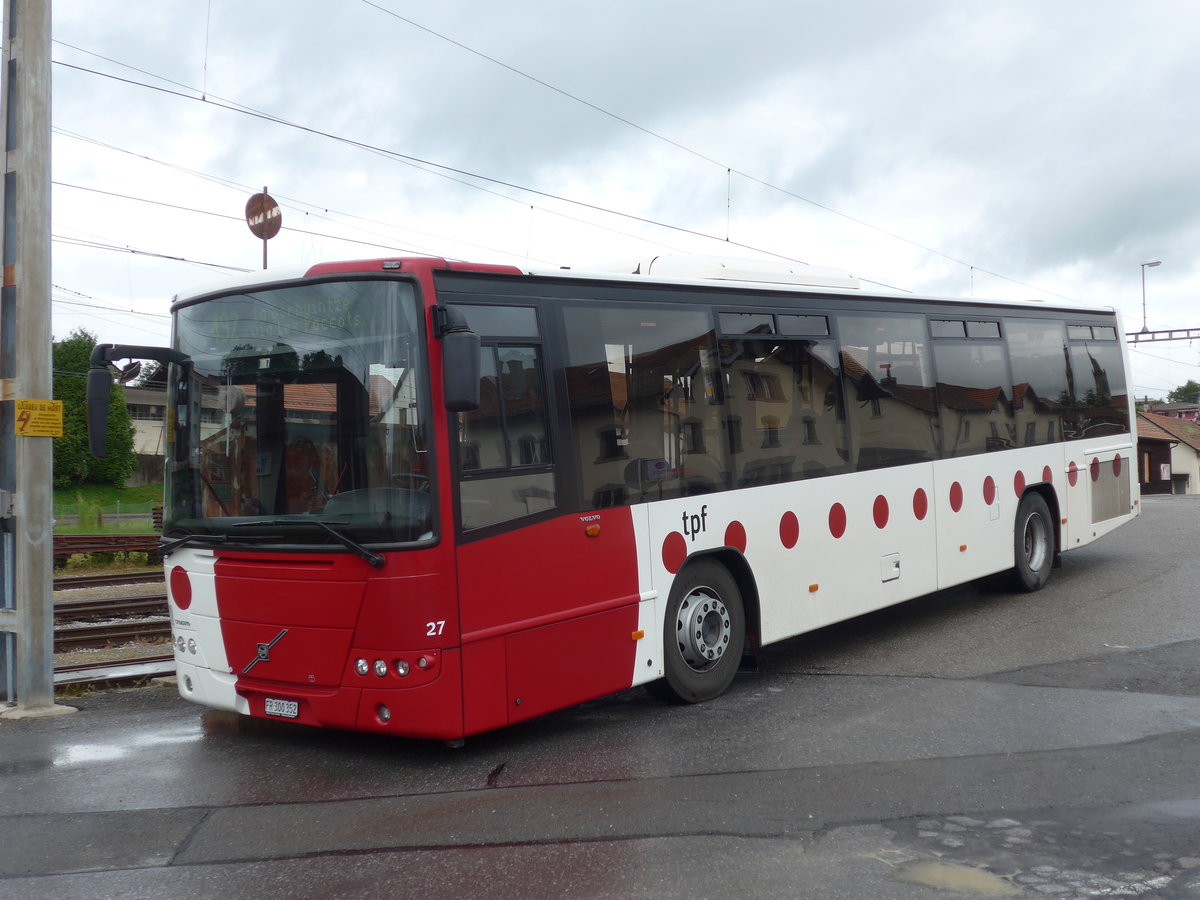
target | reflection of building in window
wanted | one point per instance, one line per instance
(469, 455)
(533, 450)
(810, 431)
(693, 436)
(890, 399)
(611, 444)
(770, 431)
(761, 386)
(733, 431)
(610, 495)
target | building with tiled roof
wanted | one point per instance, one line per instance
(1188, 411)
(1169, 454)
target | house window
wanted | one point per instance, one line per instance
(810, 431)
(770, 432)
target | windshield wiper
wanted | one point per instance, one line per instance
(375, 559)
(172, 545)
(164, 549)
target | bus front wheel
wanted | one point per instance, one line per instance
(704, 631)
(1033, 544)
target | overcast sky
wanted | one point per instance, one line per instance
(1038, 150)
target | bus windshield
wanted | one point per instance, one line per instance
(302, 416)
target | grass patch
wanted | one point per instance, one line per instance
(104, 509)
(107, 495)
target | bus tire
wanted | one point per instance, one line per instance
(1033, 544)
(704, 631)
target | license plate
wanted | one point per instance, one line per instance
(289, 709)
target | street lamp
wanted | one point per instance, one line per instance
(1151, 264)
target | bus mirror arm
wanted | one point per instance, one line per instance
(460, 359)
(99, 385)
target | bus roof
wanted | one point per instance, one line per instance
(665, 269)
(717, 268)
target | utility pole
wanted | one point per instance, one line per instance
(27, 413)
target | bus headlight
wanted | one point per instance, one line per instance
(361, 666)
(401, 667)
(380, 668)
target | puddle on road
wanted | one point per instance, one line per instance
(77, 754)
(949, 876)
(81, 754)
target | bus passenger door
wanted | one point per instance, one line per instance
(524, 632)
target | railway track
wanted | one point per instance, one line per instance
(138, 623)
(122, 671)
(91, 608)
(95, 635)
(108, 579)
(96, 622)
(67, 544)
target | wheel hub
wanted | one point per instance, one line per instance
(702, 629)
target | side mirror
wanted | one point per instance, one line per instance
(99, 385)
(99, 388)
(460, 360)
(460, 367)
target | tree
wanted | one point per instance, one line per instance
(1185, 393)
(73, 463)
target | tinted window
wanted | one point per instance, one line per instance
(646, 403)
(747, 323)
(504, 457)
(786, 419)
(1037, 351)
(1101, 401)
(947, 328)
(889, 389)
(985, 330)
(803, 324)
(501, 321)
(974, 397)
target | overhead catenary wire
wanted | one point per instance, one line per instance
(729, 170)
(317, 210)
(133, 251)
(447, 170)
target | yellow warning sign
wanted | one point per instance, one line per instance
(38, 418)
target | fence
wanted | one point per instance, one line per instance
(130, 517)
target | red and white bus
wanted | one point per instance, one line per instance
(432, 499)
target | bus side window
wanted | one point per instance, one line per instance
(1041, 381)
(889, 389)
(786, 391)
(1101, 397)
(642, 384)
(974, 396)
(504, 457)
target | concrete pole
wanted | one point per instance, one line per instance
(26, 469)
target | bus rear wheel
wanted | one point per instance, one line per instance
(704, 630)
(1033, 544)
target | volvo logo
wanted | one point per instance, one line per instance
(264, 652)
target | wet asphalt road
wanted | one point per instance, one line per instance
(972, 743)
